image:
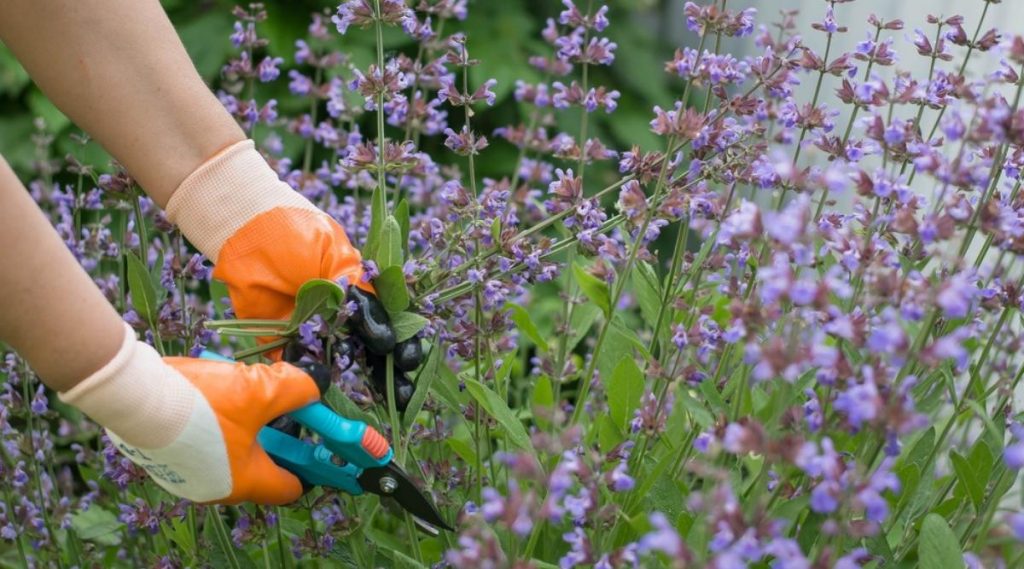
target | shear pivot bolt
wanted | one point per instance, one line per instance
(388, 485)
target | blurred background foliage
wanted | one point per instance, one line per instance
(502, 34)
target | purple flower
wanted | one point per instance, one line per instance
(267, 70)
(823, 499)
(1016, 523)
(662, 537)
(1013, 454)
(860, 402)
(956, 295)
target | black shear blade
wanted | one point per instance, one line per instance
(392, 482)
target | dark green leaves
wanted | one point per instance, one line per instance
(974, 472)
(140, 285)
(525, 325)
(378, 209)
(407, 325)
(317, 296)
(97, 525)
(625, 389)
(648, 291)
(391, 290)
(389, 248)
(595, 289)
(938, 547)
(497, 408)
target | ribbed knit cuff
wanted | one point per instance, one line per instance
(225, 193)
(146, 402)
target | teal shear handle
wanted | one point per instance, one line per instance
(346, 449)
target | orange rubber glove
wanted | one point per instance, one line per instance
(266, 241)
(264, 238)
(192, 423)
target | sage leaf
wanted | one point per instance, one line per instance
(407, 324)
(625, 390)
(938, 547)
(497, 408)
(315, 296)
(594, 288)
(391, 290)
(141, 288)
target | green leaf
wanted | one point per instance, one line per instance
(543, 393)
(378, 207)
(392, 290)
(965, 473)
(497, 408)
(316, 296)
(525, 325)
(938, 547)
(583, 317)
(666, 497)
(712, 396)
(648, 291)
(496, 230)
(542, 401)
(447, 388)
(407, 325)
(625, 389)
(345, 407)
(181, 534)
(208, 56)
(389, 248)
(424, 381)
(609, 435)
(140, 286)
(225, 554)
(402, 216)
(465, 450)
(595, 289)
(619, 342)
(97, 525)
(922, 448)
(700, 414)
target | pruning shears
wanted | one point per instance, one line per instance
(352, 457)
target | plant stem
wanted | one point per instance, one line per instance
(378, 25)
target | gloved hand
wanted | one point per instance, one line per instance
(192, 423)
(266, 240)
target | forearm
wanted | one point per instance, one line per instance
(118, 69)
(51, 312)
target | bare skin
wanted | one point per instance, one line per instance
(50, 310)
(119, 71)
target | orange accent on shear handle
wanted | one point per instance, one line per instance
(375, 443)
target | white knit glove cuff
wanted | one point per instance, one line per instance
(136, 395)
(225, 193)
(159, 420)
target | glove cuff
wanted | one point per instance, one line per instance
(146, 402)
(225, 193)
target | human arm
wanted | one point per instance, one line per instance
(191, 423)
(119, 71)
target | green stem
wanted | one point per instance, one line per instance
(393, 419)
(221, 530)
(378, 25)
(995, 173)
